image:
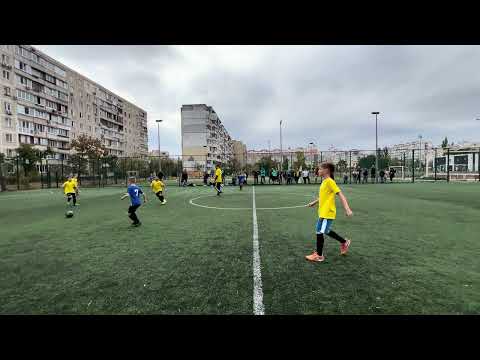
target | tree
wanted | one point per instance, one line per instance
(444, 143)
(89, 147)
(267, 163)
(300, 161)
(44, 154)
(29, 157)
(366, 162)
(3, 184)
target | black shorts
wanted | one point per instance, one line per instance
(158, 193)
(133, 208)
(71, 195)
(218, 185)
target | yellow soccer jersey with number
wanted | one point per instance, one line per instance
(326, 207)
(218, 174)
(157, 186)
(69, 187)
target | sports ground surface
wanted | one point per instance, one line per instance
(415, 250)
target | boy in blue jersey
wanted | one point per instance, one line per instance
(134, 192)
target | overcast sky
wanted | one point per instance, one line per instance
(323, 94)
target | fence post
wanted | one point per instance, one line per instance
(448, 165)
(49, 181)
(350, 166)
(478, 165)
(62, 169)
(413, 165)
(41, 172)
(56, 177)
(18, 173)
(435, 165)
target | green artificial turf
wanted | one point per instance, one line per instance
(414, 250)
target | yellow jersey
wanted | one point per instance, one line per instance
(326, 205)
(157, 186)
(218, 174)
(69, 187)
(75, 181)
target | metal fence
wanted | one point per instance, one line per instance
(352, 166)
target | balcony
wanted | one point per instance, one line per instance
(25, 131)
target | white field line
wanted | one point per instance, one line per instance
(258, 308)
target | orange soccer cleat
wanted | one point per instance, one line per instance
(315, 257)
(344, 247)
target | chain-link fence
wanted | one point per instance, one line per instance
(287, 167)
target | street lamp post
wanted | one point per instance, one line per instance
(281, 147)
(206, 156)
(159, 153)
(376, 144)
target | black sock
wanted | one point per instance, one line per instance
(74, 200)
(161, 198)
(320, 241)
(134, 217)
(334, 235)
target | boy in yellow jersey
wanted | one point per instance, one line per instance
(157, 187)
(218, 179)
(327, 212)
(69, 189)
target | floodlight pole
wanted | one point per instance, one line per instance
(281, 146)
(376, 144)
(159, 153)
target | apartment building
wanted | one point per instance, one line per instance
(205, 140)
(240, 152)
(46, 104)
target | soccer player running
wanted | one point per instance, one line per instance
(157, 188)
(70, 190)
(218, 179)
(134, 192)
(327, 212)
(242, 179)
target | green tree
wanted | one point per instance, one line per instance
(29, 156)
(87, 148)
(300, 161)
(445, 143)
(366, 162)
(3, 183)
(267, 163)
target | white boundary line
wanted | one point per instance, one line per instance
(239, 208)
(258, 308)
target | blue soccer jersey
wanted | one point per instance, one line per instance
(134, 191)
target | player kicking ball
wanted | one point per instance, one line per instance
(134, 192)
(70, 190)
(327, 212)
(157, 188)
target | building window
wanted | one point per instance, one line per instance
(6, 91)
(6, 74)
(50, 104)
(8, 108)
(9, 138)
(8, 122)
(5, 59)
(49, 78)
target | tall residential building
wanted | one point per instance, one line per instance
(46, 104)
(205, 141)
(240, 152)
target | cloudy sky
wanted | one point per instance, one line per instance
(323, 94)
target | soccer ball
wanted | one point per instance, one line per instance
(69, 214)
